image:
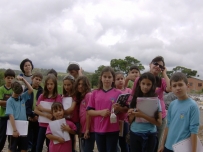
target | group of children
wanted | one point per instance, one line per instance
(95, 115)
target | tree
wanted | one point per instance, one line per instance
(123, 65)
(186, 71)
(95, 76)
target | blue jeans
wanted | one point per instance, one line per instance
(3, 127)
(143, 143)
(41, 138)
(122, 140)
(88, 144)
(107, 142)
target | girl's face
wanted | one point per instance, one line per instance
(135, 72)
(145, 85)
(58, 113)
(50, 85)
(80, 86)
(27, 67)
(107, 80)
(155, 69)
(119, 81)
(67, 85)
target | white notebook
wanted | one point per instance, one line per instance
(67, 102)
(55, 127)
(186, 146)
(148, 106)
(21, 126)
(46, 105)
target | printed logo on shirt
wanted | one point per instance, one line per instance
(112, 100)
(23, 104)
(182, 114)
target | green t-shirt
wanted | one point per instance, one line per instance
(5, 93)
(130, 84)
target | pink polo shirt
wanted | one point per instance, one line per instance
(61, 147)
(83, 108)
(99, 100)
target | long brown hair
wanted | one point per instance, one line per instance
(46, 91)
(72, 80)
(86, 86)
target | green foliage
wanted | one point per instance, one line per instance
(124, 64)
(186, 71)
(2, 78)
(95, 76)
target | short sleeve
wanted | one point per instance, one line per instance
(194, 119)
(1, 93)
(71, 125)
(48, 130)
(25, 96)
(40, 99)
(9, 107)
(87, 98)
(91, 103)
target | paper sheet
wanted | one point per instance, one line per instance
(148, 106)
(186, 146)
(21, 126)
(67, 102)
(55, 127)
(46, 105)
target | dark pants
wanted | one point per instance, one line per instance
(167, 150)
(3, 127)
(41, 138)
(16, 144)
(33, 130)
(122, 140)
(88, 144)
(107, 142)
(143, 144)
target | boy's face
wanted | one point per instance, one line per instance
(179, 88)
(135, 72)
(8, 80)
(74, 73)
(36, 81)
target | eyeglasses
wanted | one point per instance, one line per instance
(69, 77)
(160, 66)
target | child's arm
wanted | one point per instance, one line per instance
(152, 120)
(194, 142)
(15, 131)
(66, 127)
(47, 115)
(52, 137)
(30, 89)
(40, 108)
(103, 113)
(131, 116)
(2, 103)
(88, 121)
(70, 110)
(161, 148)
(117, 108)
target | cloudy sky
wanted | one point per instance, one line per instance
(92, 32)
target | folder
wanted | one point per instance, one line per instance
(21, 126)
(46, 105)
(67, 102)
(122, 99)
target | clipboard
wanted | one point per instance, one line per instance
(21, 126)
(122, 99)
(148, 106)
(186, 146)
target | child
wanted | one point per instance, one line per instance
(183, 116)
(33, 127)
(119, 83)
(63, 146)
(50, 94)
(134, 72)
(5, 93)
(74, 70)
(26, 67)
(100, 107)
(83, 93)
(143, 135)
(72, 113)
(52, 71)
(15, 108)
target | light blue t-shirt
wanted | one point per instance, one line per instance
(182, 121)
(138, 127)
(17, 108)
